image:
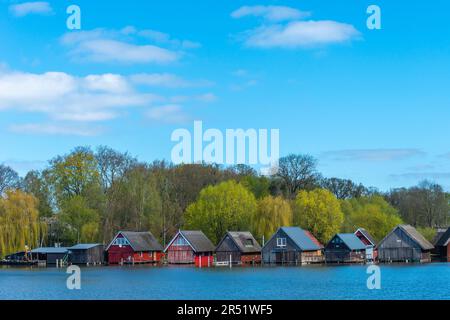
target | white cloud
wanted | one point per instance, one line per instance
(284, 28)
(26, 8)
(301, 34)
(75, 100)
(65, 97)
(55, 129)
(271, 13)
(171, 113)
(128, 45)
(166, 80)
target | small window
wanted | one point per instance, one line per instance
(249, 242)
(121, 242)
(281, 242)
(180, 242)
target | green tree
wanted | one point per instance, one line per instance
(319, 212)
(75, 174)
(272, 213)
(371, 213)
(78, 220)
(228, 206)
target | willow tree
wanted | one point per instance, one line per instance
(19, 222)
(272, 213)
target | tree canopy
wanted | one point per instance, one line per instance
(318, 211)
(228, 206)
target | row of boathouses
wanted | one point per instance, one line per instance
(288, 245)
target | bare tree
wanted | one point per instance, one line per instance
(343, 188)
(9, 179)
(298, 172)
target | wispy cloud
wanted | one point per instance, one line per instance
(167, 80)
(294, 33)
(445, 155)
(27, 8)
(372, 154)
(271, 13)
(421, 176)
(127, 45)
(168, 114)
(55, 129)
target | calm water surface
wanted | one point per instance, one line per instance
(430, 281)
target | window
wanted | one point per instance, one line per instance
(249, 242)
(180, 242)
(281, 242)
(121, 242)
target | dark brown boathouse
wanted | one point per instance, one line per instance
(404, 244)
(238, 247)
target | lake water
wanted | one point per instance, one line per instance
(428, 281)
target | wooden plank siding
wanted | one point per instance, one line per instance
(398, 246)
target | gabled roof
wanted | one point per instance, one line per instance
(413, 234)
(367, 235)
(416, 236)
(351, 241)
(302, 239)
(140, 241)
(84, 246)
(444, 239)
(47, 250)
(197, 240)
(240, 238)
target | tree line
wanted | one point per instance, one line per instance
(88, 195)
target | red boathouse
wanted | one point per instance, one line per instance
(190, 247)
(129, 247)
(369, 241)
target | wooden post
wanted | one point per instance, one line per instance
(200, 261)
(231, 261)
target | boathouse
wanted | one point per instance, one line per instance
(238, 247)
(292, 245)
(442, 246)
(190, 247)
(86, 254)
(345, 248)
(129, 247)
(369, 241)
(404, 244)
(50, 255)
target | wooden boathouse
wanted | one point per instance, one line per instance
(129, 247)
(369, 241)
(50, 255)
(292, 245)
(87, 254)
(238, 247)
(345, 248)
(442, 246)
(190, 247)
(404, 244)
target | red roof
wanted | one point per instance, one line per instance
(313, 239)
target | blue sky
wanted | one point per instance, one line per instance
(371, 105)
